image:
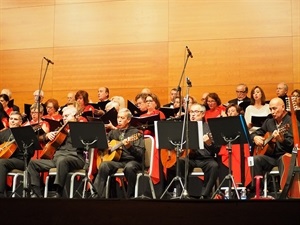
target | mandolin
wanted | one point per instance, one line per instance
(114, 152)
(7, 149)
(268, 146)
(169, 156)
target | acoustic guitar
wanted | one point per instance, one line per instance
(114, 152)
(290, 178)
(51, 146)
(268, 146)
(7, 149)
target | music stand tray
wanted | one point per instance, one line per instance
(167, 131)
(88, 135)
(228, 131)
(169, 136)
(26, 139)
(27, 143)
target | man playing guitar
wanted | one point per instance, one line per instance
(282, 142)
(66, 157)
(16, 160)
(130, 157)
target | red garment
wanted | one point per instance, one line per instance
(5, 122)
(155, 169)
(89, 108)
(236, 162)
(56, 117)
(214, 113)
(9, 110)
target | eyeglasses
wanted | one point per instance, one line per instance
(196, 111)
(149, 100)
(240, 92)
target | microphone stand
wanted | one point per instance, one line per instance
(185, 127)
(178, 87)
(41, 83)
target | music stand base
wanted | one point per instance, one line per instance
(85, 181)
(176, 178)
(228, 177)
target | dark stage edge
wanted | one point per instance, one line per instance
(153, 212)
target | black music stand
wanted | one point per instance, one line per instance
(228, 131)
(169, 135)
(27, 143)
(87, 135)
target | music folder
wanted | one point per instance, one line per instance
(54, 124)
(99, 105)
(169, 112)
(87, 113)
(10, 103)
(135, 111)
(111, 115)
(257, 121)
(147, 121)
(1, 126)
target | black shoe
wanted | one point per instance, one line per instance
(203, 197)
(56, 195)
(35, 196)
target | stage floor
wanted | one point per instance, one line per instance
(142, 211)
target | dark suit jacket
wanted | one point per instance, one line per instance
(243, 105)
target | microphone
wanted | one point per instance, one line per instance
(48, 60)
(189, 51)
(188, 81)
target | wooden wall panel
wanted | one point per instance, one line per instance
(219, 63)
(129, 45)
(4, 4)
(190, 20)
(115, 66)
(111, 23)
(20, 71)
(24, 28)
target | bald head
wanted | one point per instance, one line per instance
(277, 108)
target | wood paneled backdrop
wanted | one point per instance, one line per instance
(128, 45)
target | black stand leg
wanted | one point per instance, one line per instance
(86, 180)
(177, 178)
(229, 177)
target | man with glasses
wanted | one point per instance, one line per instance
(241, 97)
(203, 158)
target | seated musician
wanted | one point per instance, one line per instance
(52, 110)
(66, 157)
(282, 140)
(240, 154)
(40, 127)
(131, 156)
(203, 158)
(82, 102)
(3, 119)
(16, 160)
